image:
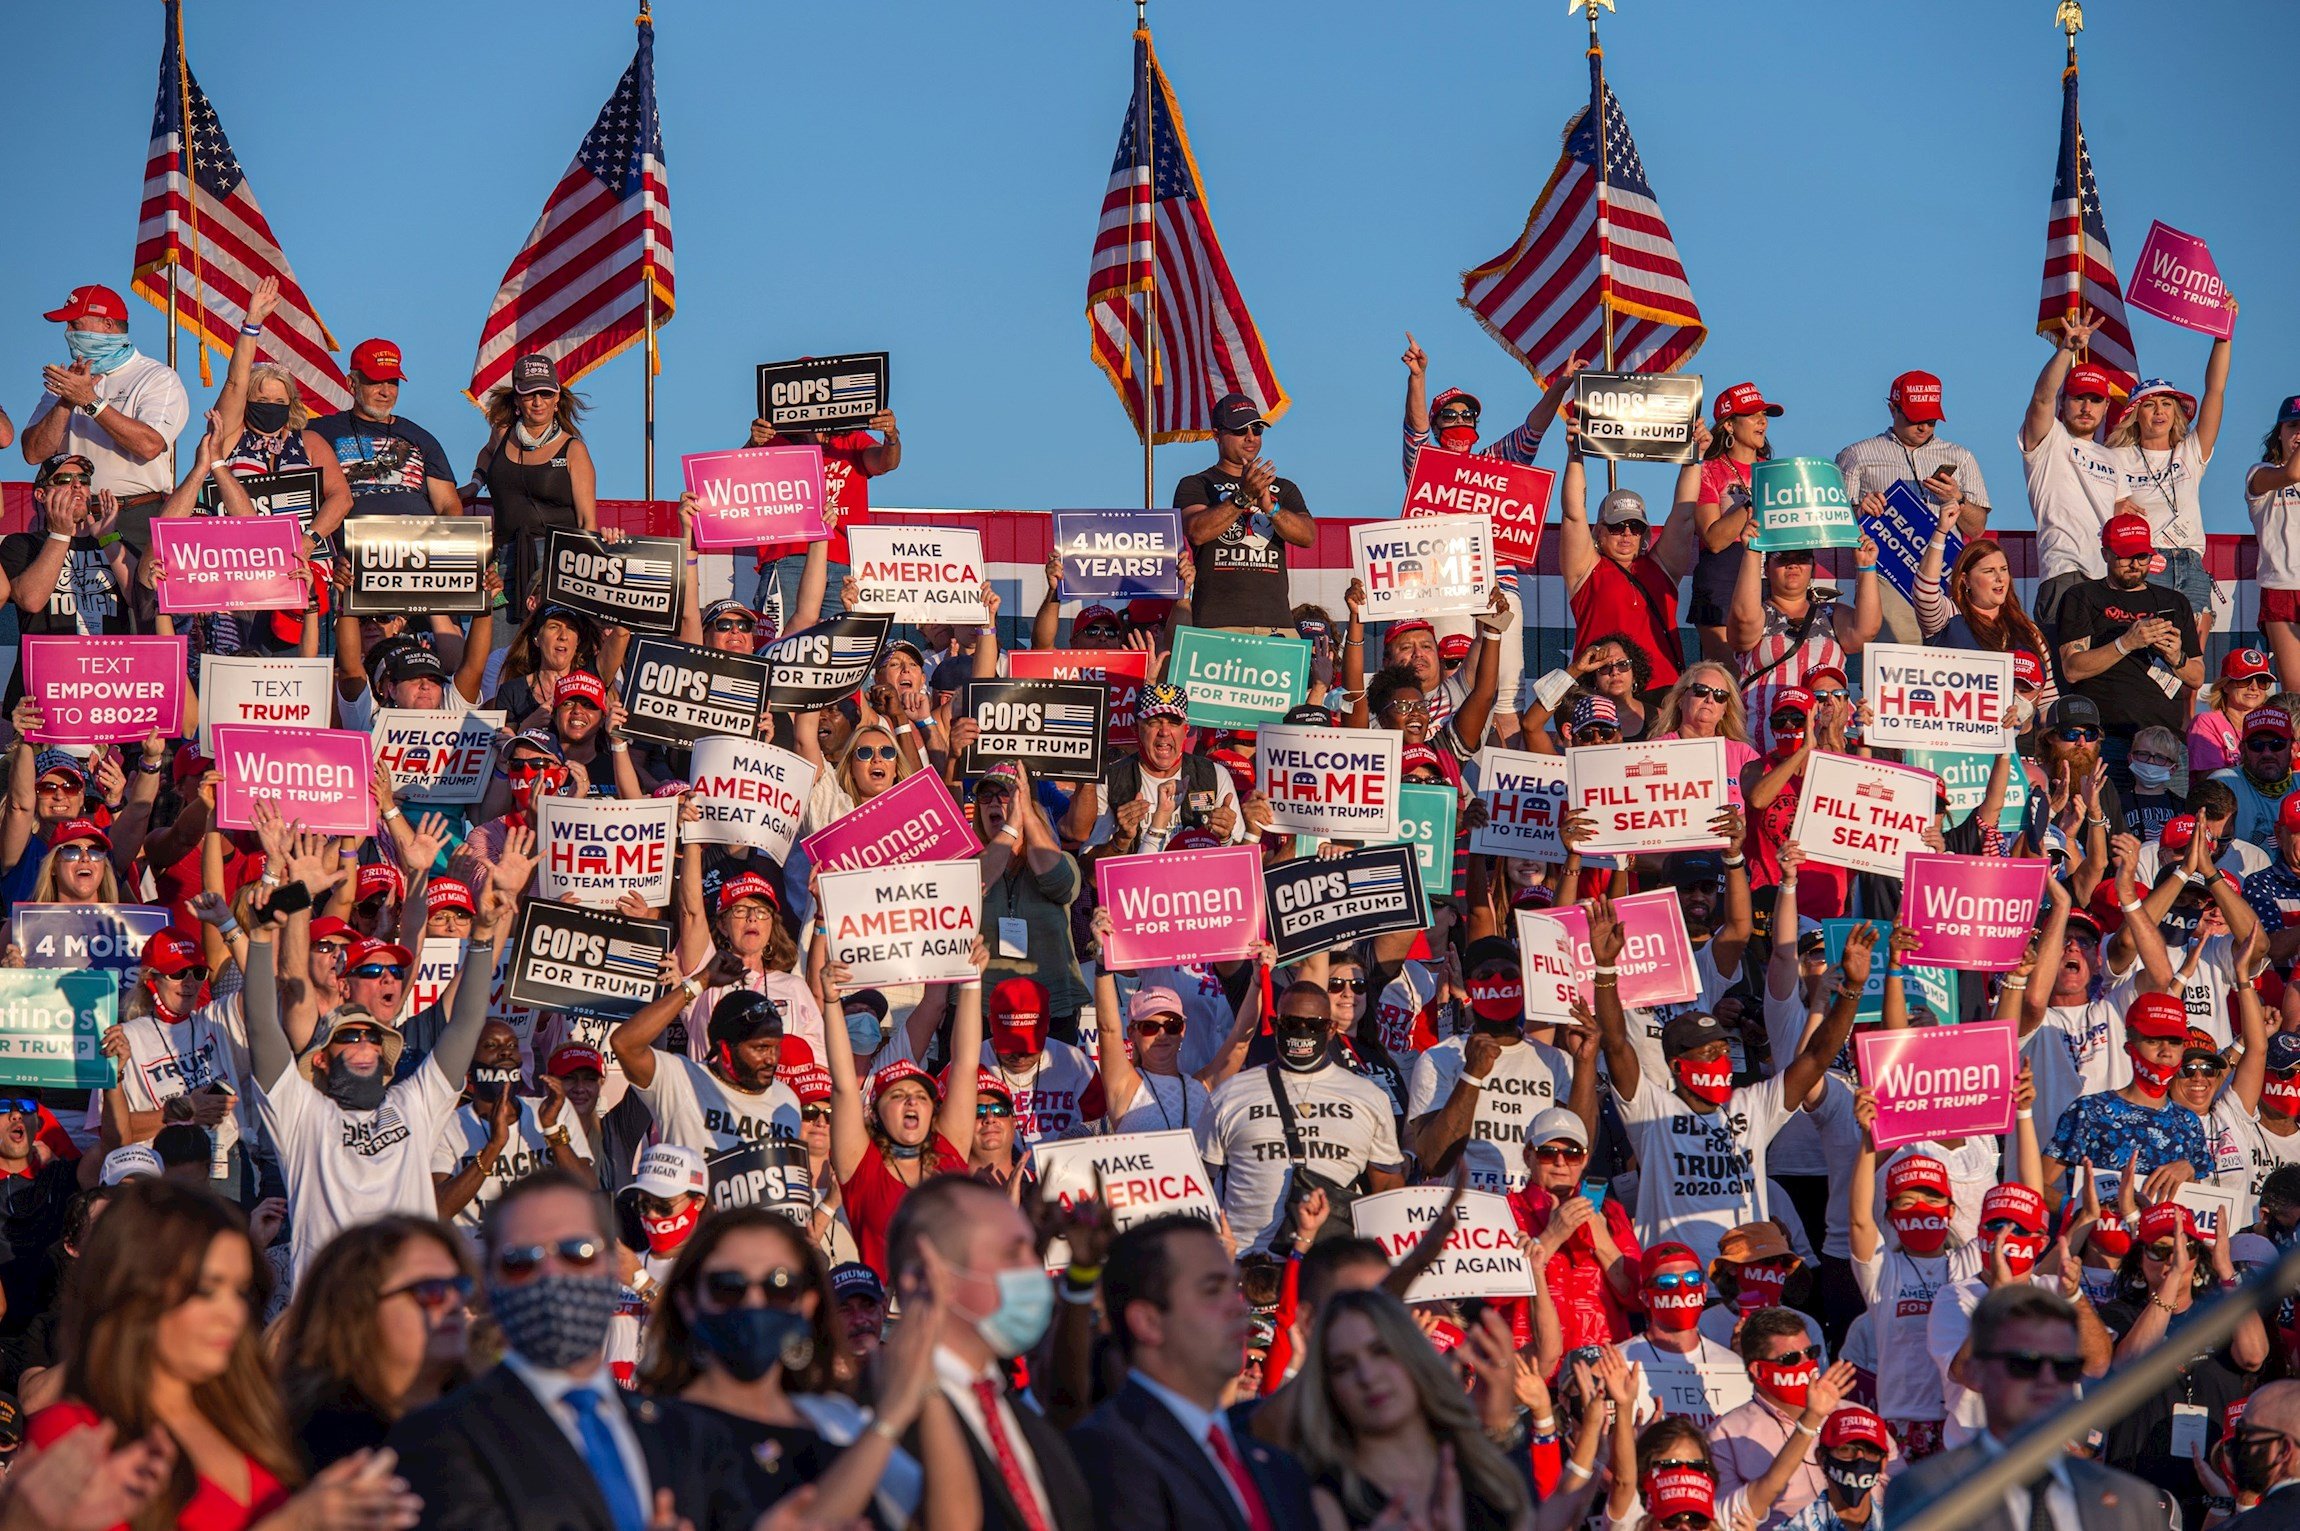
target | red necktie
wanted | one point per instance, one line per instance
(1257, 1513)
(1009, 1465)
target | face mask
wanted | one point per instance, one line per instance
(1498, 1002)
(2282, 1093)
(1922, 1233)
(1759, 1286)
(2110, 1236)
(555, 1320)
(2021, 1250)
(102, 353)
(268, 418)
(1301, 1051)
(1711, 1081)
(1852, 1480)
(2154, 1079)
(488, 1084)
(1025, 1309)
(2024, 714)
(1457, 438)
(2151, 777)
(353, 1092)
(863, 1034)
(1787, 1383)
(750, 1342)
(666, 1234)
(1676, 1311)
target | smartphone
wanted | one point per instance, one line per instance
(1594, 1192)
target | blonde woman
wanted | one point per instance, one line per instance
(1706, 703)
(2216, 735)
(2162, 446)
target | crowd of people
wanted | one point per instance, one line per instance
(333, 1252)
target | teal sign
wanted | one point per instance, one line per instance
(1966, 775)
(1801, 503)
(1239, 680)
(1933, 988)
(1426, 822)
(52, 1025)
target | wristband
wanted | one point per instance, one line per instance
(1575, 1472)
(1864, 568)
(1736, 861)
(1465, 1077)
(1083, 1275)
(2025, 1116)
(693, 988)
(1804, 1429)
(2015, 985)
(251, 329)
(2129, 905)
(906, 728)
(1607, 970)
(392, 813)
(60, 537)
(986, 632)
(1011, 829)
(1545, 1424)
(229, 928)
(619, 747)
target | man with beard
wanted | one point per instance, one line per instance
(394, 466)
(862, 1307)
(1304, 1114)
(353, 1145)
(733, 1109)
(1474, 1096)
(2073, 481)
(2128, 646)
(497, 1136)
(2263, 783)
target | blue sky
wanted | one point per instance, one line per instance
(1855, 188)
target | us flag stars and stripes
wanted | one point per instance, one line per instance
(210, 231)
(577, 290)
(1541, 297)
(2079, 267)
(1206, 343)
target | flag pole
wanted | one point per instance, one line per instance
(1604, 260)
(2070, 17)
(1147, 142)
(647, 277)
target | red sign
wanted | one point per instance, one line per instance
(105, 690)
(916, 819)
(229, 563)
(1461, 484)
(1122, 673)
(2175, 279)
(756, 495)
(322, 777)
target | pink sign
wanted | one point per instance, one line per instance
(321, 776)
(916, 819)
(2175, 279)
(1940, 1081)
(1181, 906)
(1971, 912)
(756, 495)
(1656, 962)
(101, 690)
(230, 563)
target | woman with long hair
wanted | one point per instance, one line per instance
(552, 643)
(1706, 704)
(378, 1328)
(748, 1329)
(1611, 665)
(1722, 506)
(2216, 734)
(160, 1333)
(2272, 495)
(2162, 444)
(1979, 609)
(538, 472)
(78, 868)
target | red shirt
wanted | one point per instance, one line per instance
(211, 1507)
(872, 1195)
(1640, 601)
(1821, 889)
(845, 486)
(1588, 1311)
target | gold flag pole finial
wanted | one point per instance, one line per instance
(2070, 19)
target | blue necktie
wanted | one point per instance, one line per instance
(606, 1463)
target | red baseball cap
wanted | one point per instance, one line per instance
(1917, 395)
(1658, 1255)
(1149, 610)
(90, 302)
(2028, 670)
(1409, 625)
(581, 685)
(2245, 664)
(1853, 1425)
(1454, 646)
(1679, 1491)
(1017, 1016)
(1792, 699)
(2158, 1017)
(573, 1058)
(377, 361)
(2085, 380)
(2268, 720)
(1093, 614)
(895, 1073)
(747, 885)
(171, 952)
(372, 950)
(2128, 536)
(2288, 812)
(447, 893)
(986, 1082)
(1743, 399)
(1917, 1172)
(1199, 838)
(1818, 671)
(2164, 1220)
(2020, 1203)
(79, 829)
(379, 877)
(327, 926)
(2176, 833)
(810, 1082)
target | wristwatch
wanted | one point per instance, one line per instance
(92, 408)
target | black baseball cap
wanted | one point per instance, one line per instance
(854, 1279)
(1235, 411)
(2073, 712)
(1684, 1033)
(1681, 867)
(1309, 715)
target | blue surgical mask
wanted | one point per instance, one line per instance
(1025, 1310)
(2151, 777)
(101, 352)
(863, 1033)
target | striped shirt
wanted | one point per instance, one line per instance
(1797, 656)
(1875, 463)
(1518, 446)
(1935, 613)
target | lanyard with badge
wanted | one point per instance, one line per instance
(2167, 482)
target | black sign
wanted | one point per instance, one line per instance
(289, 492)
(416, 564)
(1636, 418)
(772, 1174)
(826, 662)
(585, 961)
(633, 583)
(678, 692)
(823, 393)
(1316, 904)
(1056, 728)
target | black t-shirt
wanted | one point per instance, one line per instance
(1241, 573)
(2127, 692)
(385, 462)
(88, 598)
(2141, 1441)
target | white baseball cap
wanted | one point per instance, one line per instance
(670, 1169)
(131, 1161)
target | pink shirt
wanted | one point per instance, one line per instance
(1737, 756)
(2213, 742)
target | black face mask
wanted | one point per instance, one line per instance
(1852, 1480)
(353, 1092)
(1301, 1050)
(267, 418)
(488, 1084)
(749, 1342)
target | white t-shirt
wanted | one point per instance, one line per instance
(165, 1061)
(1946, 1329)
(343, 1167)
(1527, 1078)
(1899, 1289)
(1059, 1096)
(2168, 488)
(1840, 1139)
(2073, 487)
(1702, 1384)
(1345, 1124)
(527, 1151)
(1702, 1173)
(2276, 525)
(694, 1106)
(1166, 1103)
(147, 389)
(2264, 1151)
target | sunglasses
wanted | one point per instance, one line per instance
(2077, 735)
(983, 1108)
(526, 765)
(779, 1288)
(1598, 733)
(1671, 1281)
(80, 853)
(517, 1262)
(434, 1294)
(1717, 694)
(1705, 1469)
(1155, 1027)
(355, 1036)
(1418, 704)
(734, 625)
(1560, 1153)
(1098, 630)
(874, 752)
(1457, 416)
(2161, 1253)
(1610, 667)
(2003, 1225)
(1345, 985)
(1831, 696)
(196, 973)
(1787, 722)
(1255, 429)
(2267, 742)
(816, 1113)
(1795, 1357)
(18, 1105)
(2202, 1070)
(332, 950)
(71, 478)
(2027, 1365)
(379, 970)
(66, 788)
(1689, 1520)
(1636, 528)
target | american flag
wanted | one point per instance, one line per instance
(1543, 298)
(1068, 718)
(2079, 268)
(846, 387)
(1207, 345)
(633, 959)
(208, 228)
(577, 289)
(856, 648)
(1387, 878)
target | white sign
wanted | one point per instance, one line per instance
(1945, 699)
(1480, 1258)
(751, 793)
(442, 756)
(2213, 1207)
(436, 964)
(1335, 783)
(1138, 1175)
(596, 849)
(1702, 1391)
(919, 574)
(1863, 814)
(904, 924)
(1657, 795)
(276, 693)
(1524, 798)
(1427, 567)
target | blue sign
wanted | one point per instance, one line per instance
(1901, 534)
(1933, 989)
(1119, 554)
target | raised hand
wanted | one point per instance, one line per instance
(1416, 359)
